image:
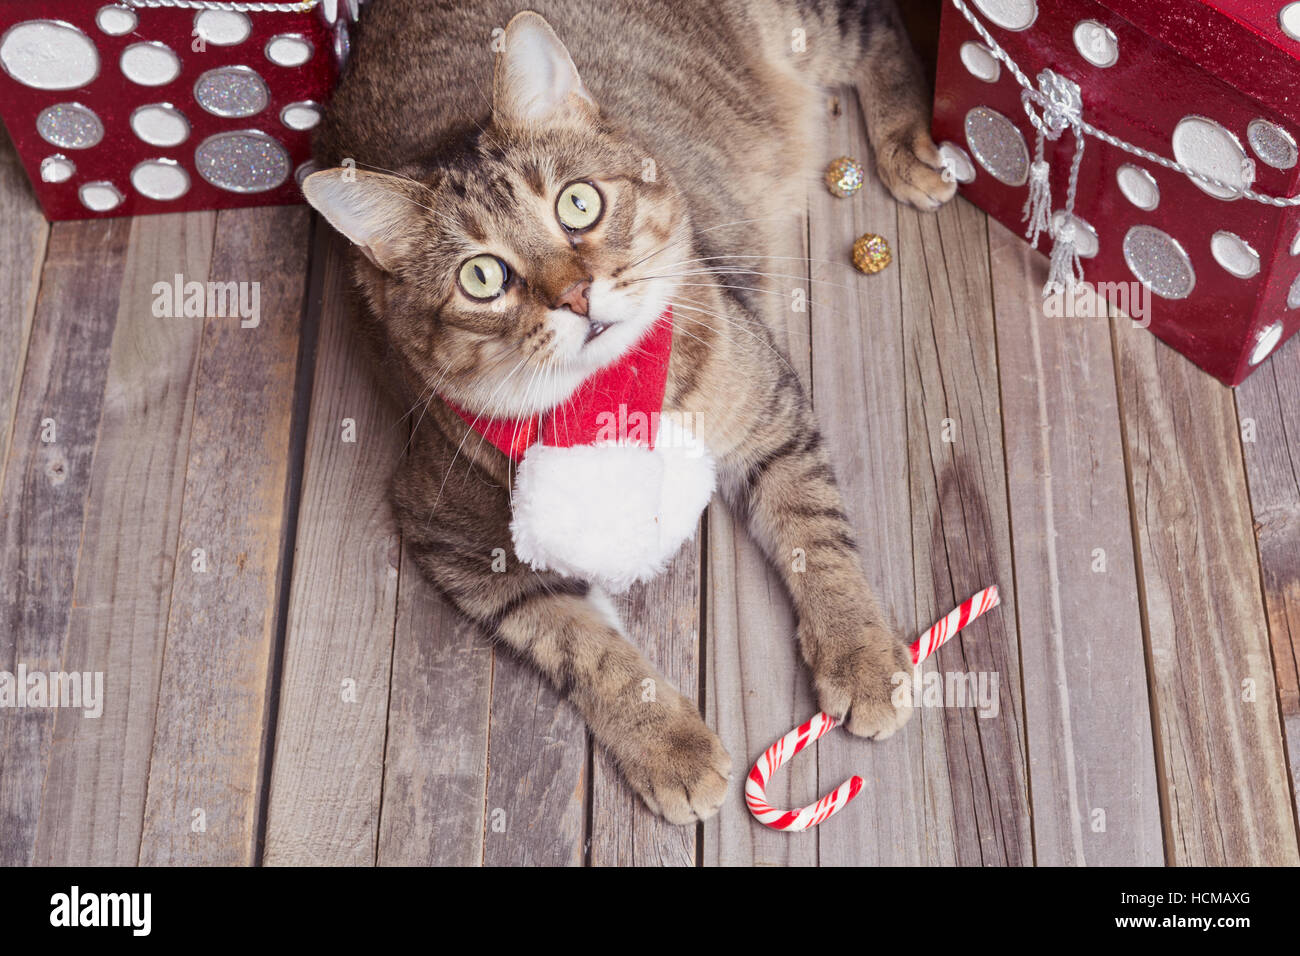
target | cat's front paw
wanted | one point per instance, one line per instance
(863, 673)
(911, 168)
(680, 769)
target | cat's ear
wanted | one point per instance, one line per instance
(381, 214)
(536, 83)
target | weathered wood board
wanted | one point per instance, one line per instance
(22, 250)
(436, 762)
(1218, 730)
(47, 481)
(1268, 409)
(1083, 656)
(93, 806)
(329, 745)
(756, 685)
(206, 769)
(961, 535)
(662, 618)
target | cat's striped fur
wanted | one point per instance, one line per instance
(722, 97)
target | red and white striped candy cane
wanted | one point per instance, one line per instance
(822, 723)
(942, 631)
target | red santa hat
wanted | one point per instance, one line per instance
(615, 485)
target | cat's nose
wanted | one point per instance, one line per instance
(575, 297)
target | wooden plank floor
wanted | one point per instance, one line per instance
(197, 510)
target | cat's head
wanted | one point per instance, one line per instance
(527, 258)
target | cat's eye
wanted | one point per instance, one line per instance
(579, 206)
(483, 277)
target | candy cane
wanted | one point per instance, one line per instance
(942, 631)
(822, 723)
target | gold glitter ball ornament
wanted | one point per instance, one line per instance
(871, 253)
(844, 176)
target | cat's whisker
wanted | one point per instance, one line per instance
(477, 418)
(828, 262)
(431, 392)
(730, 272)
(688, 333)
(385, 169)
(445, 372)
(514, 434)
(736, 325)
(547, 369)
(495, 364)
(423, 397)
(678, 241)
(816, 304)
(392, 172)
(486, 100)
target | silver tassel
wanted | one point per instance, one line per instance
(1062, 107)
(1065, 269)
(1038, 204)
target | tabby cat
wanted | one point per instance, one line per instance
(689, 129)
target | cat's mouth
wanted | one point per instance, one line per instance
(614, 322)
(594, 329)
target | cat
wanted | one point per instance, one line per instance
(689, 128)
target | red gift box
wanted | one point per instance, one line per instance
(146, 106)
(1186, 114)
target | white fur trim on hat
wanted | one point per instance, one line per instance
(612, 514)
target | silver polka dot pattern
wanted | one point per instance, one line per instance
(1272, 144)
(342, 44)
(1010, 14)
(242, 162)
(48, 54)
(1159, 262)
(100, 196)
(304, 170)
(231, 92)
(57, 169)
(69, 125)
(1267, 342)
(1086, 240)
(998, 145)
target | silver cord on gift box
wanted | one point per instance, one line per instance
(1062, 109)
(251, 6)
